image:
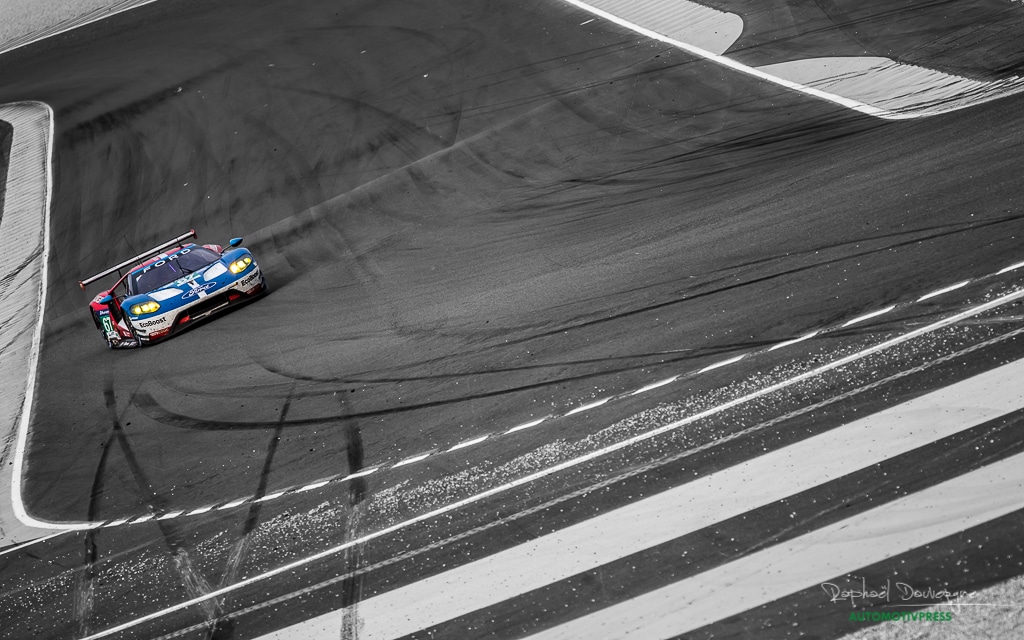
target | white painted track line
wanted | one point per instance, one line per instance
(811, 559)
(528, 425)
(24, 265)
(709, 29)
(238, 501)
(587, 407)
(682, 510)
(364, 472)
(568, 464)
(788, 343)
(877, 87)
(469, 443)
(868, 316)
(723, 363)
(232, 504)
(308, 487)
(654, 385)
(939, 292)
(411, 460)
(730, 63)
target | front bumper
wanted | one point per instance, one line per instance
(154, 329)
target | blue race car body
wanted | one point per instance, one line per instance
(174, 290)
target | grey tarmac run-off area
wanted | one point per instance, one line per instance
(472, 216)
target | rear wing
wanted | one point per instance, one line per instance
(142, 256)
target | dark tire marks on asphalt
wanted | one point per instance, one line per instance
(515, 164)
(171, 532)
(222, 628)
(149, 406)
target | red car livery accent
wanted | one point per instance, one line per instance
(171, 287)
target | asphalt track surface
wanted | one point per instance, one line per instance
(473, 216)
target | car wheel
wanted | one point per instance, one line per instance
(131, 328)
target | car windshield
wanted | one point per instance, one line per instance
(170, 269)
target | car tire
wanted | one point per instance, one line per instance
(131, 328)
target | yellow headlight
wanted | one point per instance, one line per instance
(238, 266)
(143, 308)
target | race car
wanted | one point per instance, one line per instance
(172, 287)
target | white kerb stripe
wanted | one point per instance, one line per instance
(684, 509)
(811, 559)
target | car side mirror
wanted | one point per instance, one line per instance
(234, 242)
(107, 299)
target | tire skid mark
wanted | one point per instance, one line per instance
(195, 584)
(148, 405)
(904, 237)
(934, 92)
(161, 415)
(349, 381)
(85, 589)
(614, 479)
(352, 585)
(359, 473)
(930, 233)
(223, 626)
(761, 279)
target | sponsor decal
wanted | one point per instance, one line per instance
(197, 289)
(150, 323)
(250, 279)
(904, 616)
(160, 263)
